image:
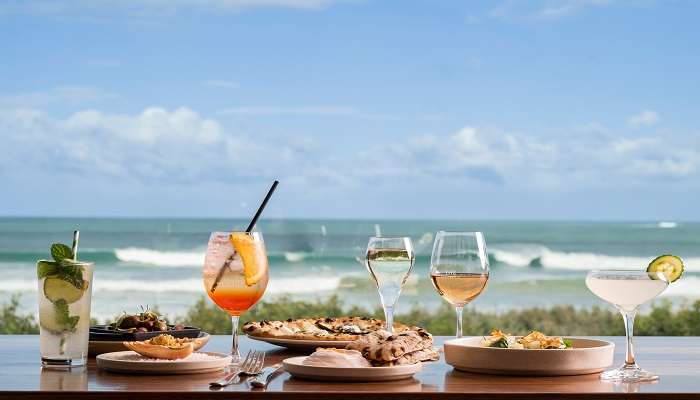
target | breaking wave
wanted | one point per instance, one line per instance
(541, 256)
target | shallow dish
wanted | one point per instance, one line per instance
(133, 363)
(587, 356)
(297, 369)
(96, 347)
(302, 345)
(103, 333)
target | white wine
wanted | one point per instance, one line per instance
(390, 269)
(459, 288)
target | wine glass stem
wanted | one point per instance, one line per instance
(628, 317)
(459, 310)
(235, 354)
(389, 317)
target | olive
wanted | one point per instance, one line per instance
(146, 324)
(141, 329)
(179, 327)
(160, 326)
(129, 321)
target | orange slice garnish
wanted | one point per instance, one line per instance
(253, 257)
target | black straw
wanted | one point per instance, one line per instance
(262, 206)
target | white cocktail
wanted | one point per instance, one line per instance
(65, 291)
(627, 290)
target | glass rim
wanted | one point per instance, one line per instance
(227, 233)
(619, 271)
(79, 262)
(452, 233)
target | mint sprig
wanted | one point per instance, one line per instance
(60, 252)
(63, 319)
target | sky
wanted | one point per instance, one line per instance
(542, 109)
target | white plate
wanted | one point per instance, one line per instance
(303, 345)
(96, 347)
(297, 369)
(586, 357)
(132, 362)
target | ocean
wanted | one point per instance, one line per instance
(158, 262)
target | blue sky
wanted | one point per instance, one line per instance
(569, 109)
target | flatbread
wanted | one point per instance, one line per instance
(330, 329)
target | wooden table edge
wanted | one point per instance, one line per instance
(354, 395)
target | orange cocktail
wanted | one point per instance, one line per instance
(235, 274)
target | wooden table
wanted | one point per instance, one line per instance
(676, 359)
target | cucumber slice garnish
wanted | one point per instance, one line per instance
(54, 317)
(58, 289)
(667, 264)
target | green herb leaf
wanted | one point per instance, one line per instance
(67, 270)
(46, 268)
(71, 273)
(63, 319)
(61, 252)
(568, 343)
(501, 343)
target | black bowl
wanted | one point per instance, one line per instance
(106, 333)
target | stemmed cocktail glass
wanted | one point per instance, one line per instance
(235, 275)
(627, 290)
(459, 268)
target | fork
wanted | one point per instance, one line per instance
(252, 365)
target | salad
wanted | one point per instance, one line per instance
(533, 341)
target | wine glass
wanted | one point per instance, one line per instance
(459, 268)
(627, 290)
(389, 261)
(235, 275)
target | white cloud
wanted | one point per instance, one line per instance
(644, 118)
(220, 83)
(57, 95)
(152, 7)
(544, 9)
(153, 145)
(181, 146)
(276, 110)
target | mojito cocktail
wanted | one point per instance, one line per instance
(65, 291)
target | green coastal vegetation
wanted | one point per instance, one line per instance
(662, 320)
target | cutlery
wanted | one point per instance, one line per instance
(266, 376)
(252, 365)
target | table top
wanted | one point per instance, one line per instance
(675, 359)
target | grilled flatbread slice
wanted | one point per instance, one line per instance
(383, 346)
(410, 358)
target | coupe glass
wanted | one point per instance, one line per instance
(389, 261)
(235, 278)
(627, 290)
(459, 268)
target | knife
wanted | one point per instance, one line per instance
(266, 376)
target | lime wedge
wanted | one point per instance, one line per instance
(56, 289)
(667, 264)
(55, 318)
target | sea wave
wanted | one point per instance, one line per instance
(195, 258)
(290, 285)
(686, 286)
(541, 256)
(295, 256)
(160, 258)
